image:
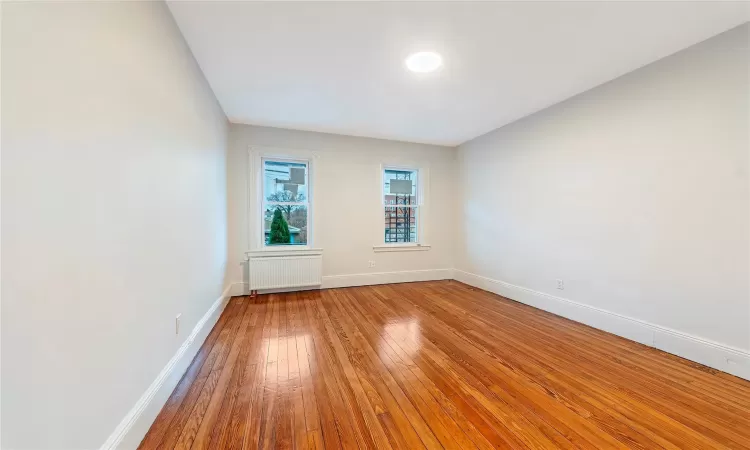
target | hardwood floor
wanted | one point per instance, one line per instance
(437, 365)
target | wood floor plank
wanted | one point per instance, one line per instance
(229, 435)
(351, 356)
(298, 426)
(556, 385)
(229, 373)
(404, 406)
(367, 430)
(408, 373)
(215, 424)
(251, 438)
(515, 389)
(204, 382)
(437, 365)
(309, 402)
(334, 388)
(269, 414)
(619, 350)
(386, 394)
(329, 434)
(461, 363)
(686, 410)
(208, 402)
(282, 417)
(177, 409)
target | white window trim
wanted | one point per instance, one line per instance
(256, 156)
(401, 247)
(422, 203)
(285, 252)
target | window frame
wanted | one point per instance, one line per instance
(264, 202)
(419, 208)
(255, 201)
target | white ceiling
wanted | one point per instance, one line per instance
(338, 67)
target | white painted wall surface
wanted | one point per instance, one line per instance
(114, 213)
(634, 193)
(348, 218)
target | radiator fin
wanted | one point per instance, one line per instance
(275, 272)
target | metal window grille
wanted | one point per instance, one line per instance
(401, 213)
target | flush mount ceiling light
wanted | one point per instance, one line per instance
(424, 62)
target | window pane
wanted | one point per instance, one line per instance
(400, 224)
(287, 227)
(400, 187)
(285, 181)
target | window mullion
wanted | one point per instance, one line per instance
(270, 202)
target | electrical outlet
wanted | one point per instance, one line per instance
(177, 324)
(560, 284)
(371, 263)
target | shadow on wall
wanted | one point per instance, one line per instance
(245, 275)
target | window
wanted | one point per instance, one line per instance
(286, 206)
(400, 205)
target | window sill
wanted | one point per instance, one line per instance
(265, 253)
(400, 248)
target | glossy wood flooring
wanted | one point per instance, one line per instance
(437, 365)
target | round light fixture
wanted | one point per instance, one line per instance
(424, 62)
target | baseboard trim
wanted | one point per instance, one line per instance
(358, 279)
(713, 354)
(133, 427)
(367, 279)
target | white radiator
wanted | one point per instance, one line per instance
(269, 271)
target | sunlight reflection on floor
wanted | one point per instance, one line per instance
(405, 336)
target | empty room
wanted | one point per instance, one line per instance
(392, 225)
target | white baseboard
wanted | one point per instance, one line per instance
(135, 425)
(359, 279)
(366, 279)
(722, 357)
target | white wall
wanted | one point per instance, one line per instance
(346, 199)
(114, 213)
(634, 193)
